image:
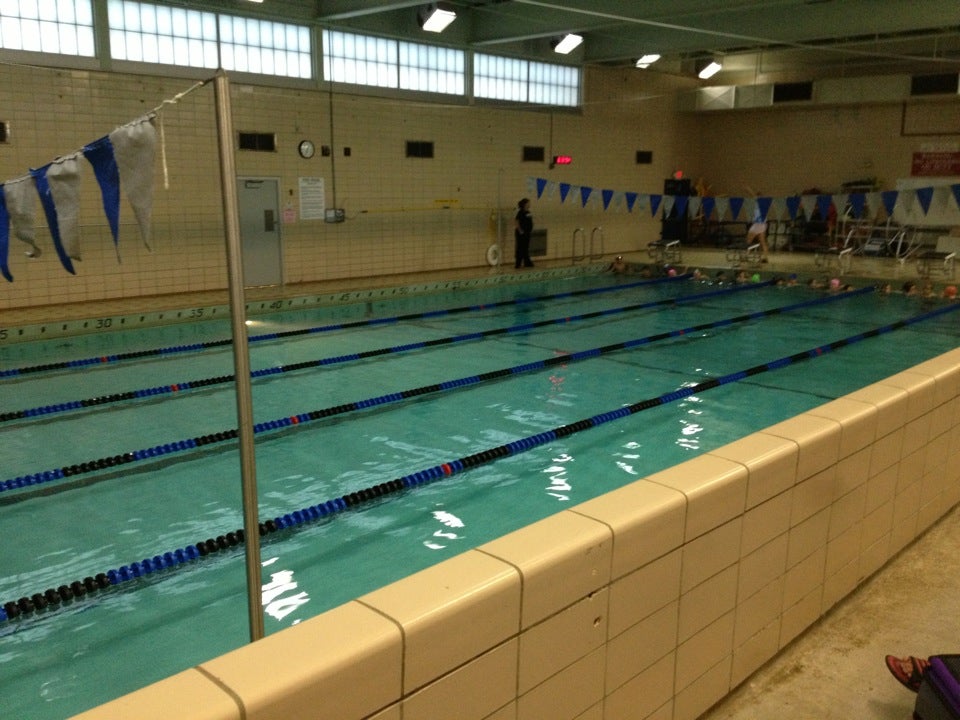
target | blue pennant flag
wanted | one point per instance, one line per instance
(793, 206)
(607, 196)
(541, 185)
(736, 203)
(858, 202)
(564, 191)
(50, 210)
(956, 194)
(823, 205)
(925, 196)
(889, 198)
(655, 204)
(681, 204)
(100, 155)
(4, 237)
(763, 203)
(632, 199)
(585, 195)
(708, 204)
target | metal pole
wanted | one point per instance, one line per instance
(241, 357)
(500, 233)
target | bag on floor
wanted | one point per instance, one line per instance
(939, 695)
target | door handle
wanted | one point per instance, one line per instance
(268, 220)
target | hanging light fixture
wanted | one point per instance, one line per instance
(435, 17)
(708, 68)
(567, 43)
(647, 60)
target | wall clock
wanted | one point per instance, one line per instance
(306, 149)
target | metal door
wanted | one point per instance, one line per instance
(260, 231)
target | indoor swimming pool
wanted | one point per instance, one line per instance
(391, 435)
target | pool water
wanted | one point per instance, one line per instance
(58, 662)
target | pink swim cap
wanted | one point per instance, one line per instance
(835, 284)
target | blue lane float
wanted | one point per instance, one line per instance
(175, 388)
(213, 344)
(67, 593)
(157, 451)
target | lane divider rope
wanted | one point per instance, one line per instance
(63, 594)
(179, 387)
(145, 454)
(211, 344)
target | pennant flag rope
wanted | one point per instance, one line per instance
(123, 159)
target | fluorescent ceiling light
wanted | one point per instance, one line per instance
(567, 43)
(647, 60)
(434, 18)
(710, 70)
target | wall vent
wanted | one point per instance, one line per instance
(938, 84)
(419, 148)
(262, 142)
(534, 153)
(792, 92)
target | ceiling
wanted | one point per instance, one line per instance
(757, 40)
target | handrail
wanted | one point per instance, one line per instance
(583, 242)
(594, 253)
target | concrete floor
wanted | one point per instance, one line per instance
(836, 670)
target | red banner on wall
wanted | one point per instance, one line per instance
(935, 164)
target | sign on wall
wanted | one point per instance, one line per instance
(312, 199)
(936, 160)
(935, 164)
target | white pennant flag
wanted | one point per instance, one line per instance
(778, 209)
(134, 149)
(21, 198)
(722, 206)
(808, 203)
(63, 177)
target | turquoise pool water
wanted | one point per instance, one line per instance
(57, 662)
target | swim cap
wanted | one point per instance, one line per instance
(835, 284)
(950, 291)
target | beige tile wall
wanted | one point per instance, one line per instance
(649, 603)
(403, 215)
(397, 221)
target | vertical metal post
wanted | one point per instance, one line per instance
(241, 356)
(501, 239)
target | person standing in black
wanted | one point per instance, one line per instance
(523, 226)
